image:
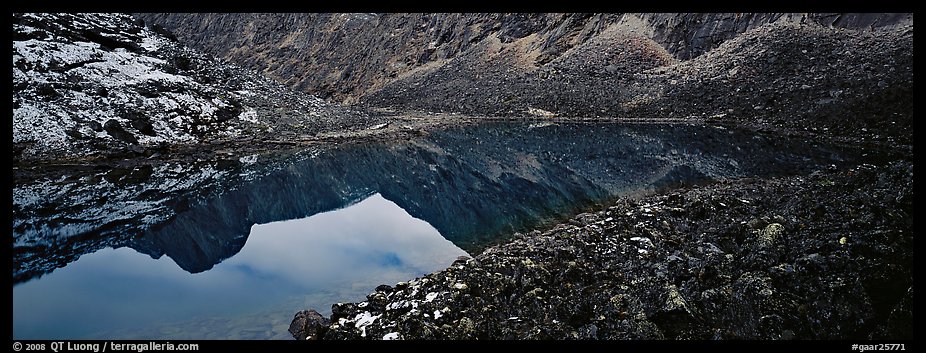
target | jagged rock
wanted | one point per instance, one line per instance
(95, 126)
(343, 310)
(768, 235)
(114, 129)
(75, 134)
(143, 126)
(308, 324)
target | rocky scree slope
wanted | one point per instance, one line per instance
(832, 74)
(89, 85)
(824, 256)
(349, 55)
(783, 75)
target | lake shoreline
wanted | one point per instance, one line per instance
(823, 256)
(120, 129)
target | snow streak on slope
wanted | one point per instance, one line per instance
(86, 84)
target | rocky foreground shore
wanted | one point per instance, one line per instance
(824, 256)
(821, 256)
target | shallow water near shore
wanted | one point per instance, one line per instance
(253, 239)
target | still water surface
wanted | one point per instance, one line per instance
(350, 250)
(233, 248)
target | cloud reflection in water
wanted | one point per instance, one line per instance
(341, 255)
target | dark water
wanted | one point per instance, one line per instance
(252, 239)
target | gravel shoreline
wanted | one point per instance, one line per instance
(824, 256)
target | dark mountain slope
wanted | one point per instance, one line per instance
(842, 74)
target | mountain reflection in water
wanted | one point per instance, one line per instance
(471, 185)
(119, 292)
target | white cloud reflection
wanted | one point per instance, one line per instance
(374, 239)
(334, 256)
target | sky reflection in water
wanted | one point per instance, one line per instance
(328, 257)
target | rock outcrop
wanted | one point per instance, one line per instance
(89, 85)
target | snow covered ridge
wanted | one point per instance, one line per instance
(87, 84)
